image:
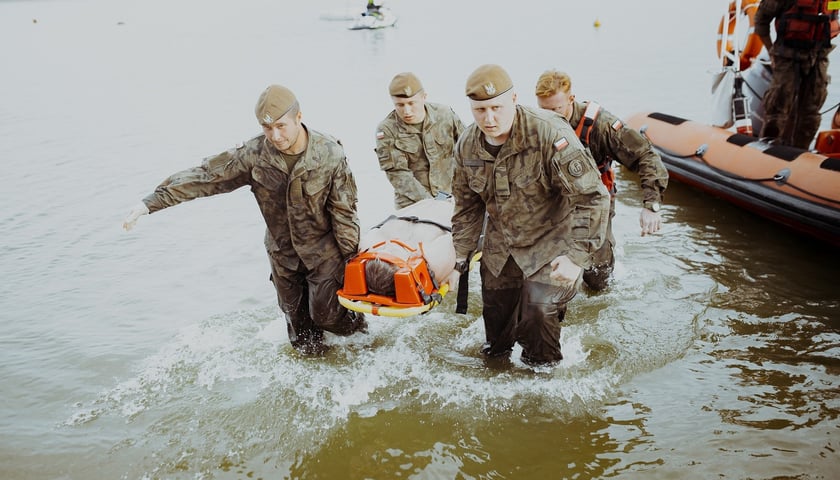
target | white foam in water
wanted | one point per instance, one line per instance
(238, 375)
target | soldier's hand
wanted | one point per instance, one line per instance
(564, 270)
(462, 265)
(650, 221)
(139, 210)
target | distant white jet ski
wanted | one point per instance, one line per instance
(384, 18)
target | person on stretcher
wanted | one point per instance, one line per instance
(406, 259)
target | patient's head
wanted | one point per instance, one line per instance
(379, 276)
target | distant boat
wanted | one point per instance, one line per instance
(367, 21)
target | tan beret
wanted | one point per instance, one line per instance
(488, 81)
(275, 101)
(405, 84)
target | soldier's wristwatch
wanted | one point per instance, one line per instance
(653, 206)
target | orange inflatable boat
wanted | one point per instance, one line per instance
(794, 187)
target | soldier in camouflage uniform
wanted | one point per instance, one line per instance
(608, 139)
(546, 213)
(307, 196)
(415, 142)
(800, 80)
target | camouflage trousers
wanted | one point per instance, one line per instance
(597, 276)
(308, 298)
(524, 310)
(793, 100)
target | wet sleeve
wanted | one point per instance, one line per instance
(636, 153)
(221, 173)
(468, 215)
(342, 205)
(575, 175)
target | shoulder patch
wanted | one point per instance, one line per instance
(559, 145)
(617, 125)
(380, 135)
(575, 167)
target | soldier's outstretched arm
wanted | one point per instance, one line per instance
(138, 211)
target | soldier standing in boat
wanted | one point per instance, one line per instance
(307, 196)
(608, 139)
(415, 143)
(546, 211)
(799, 56)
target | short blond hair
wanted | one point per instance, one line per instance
(553, 81)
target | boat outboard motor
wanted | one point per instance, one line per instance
(755, 84)
(741, 108)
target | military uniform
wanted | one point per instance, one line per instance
(418, 158)
(609, 140)
(793, 116)
(311, 219)
(544, 198)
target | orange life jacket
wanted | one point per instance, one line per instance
(583, 130)
(414, 282)
(809, 24)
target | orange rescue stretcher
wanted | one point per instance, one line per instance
(417, 291)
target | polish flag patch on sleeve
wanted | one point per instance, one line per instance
(617, 125)
(380, 135)
(561, 144)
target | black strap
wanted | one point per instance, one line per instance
(414, 219)
(463, 291)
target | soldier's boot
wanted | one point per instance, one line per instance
(310, 342)
(500, 313)
(304, 336)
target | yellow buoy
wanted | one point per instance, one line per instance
(597, 23)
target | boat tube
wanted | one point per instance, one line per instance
(791, 186)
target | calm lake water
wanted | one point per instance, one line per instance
(160, 353)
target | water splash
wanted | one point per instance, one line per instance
(233, 385)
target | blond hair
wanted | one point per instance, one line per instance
(553, 81)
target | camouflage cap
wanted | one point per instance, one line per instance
(405, 84)
(488, 81)
(274, 102)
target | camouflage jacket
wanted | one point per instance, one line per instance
(310, 213)
(417, 159)
(543, 195)
(610, 140)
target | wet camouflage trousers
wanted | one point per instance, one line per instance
(597, 276)
(308, 298)
(524, 310)
(792, 102)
